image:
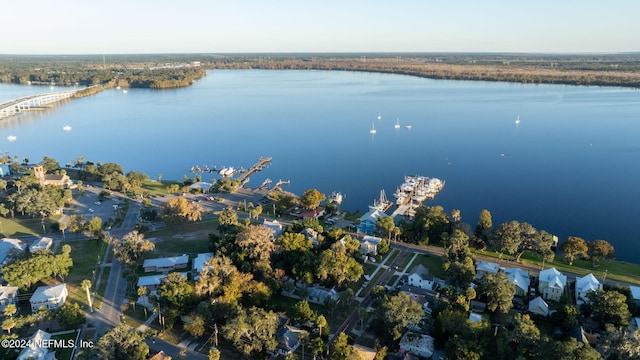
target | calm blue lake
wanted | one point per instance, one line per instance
(571, 167)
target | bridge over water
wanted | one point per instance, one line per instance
(31, 102)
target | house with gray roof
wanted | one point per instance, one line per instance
(166, 263)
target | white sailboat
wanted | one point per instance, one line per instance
(397, 125)
(517, 120)
(373, 129)
(66, 128)
(408, 127)
(379, 116)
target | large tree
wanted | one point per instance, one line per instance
(252, 331)
(573, 247)
(342, 350)
(175, 292)
(397, 313)
(257, 242)
(312, 198)
(221, 281)
(515, 238)
(600, 249)
(122, 342)
(131, 246)
(179, 210)
(497, 291)
(608, 307)
(521, 337)
(337, 266)
(385, 226)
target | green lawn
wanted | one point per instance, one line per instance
(64, 353)
(179, 247)
(433, 263)
(85, 254)
(392, 256)
(404, 264)
(159, 187)
(12, 227)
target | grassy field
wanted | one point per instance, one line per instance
(12, 227)
(433, 263)
(85, 254)
(159, 187)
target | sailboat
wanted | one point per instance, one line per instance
(379, 116)
(517, 120)
(408, 127)
(397, 125)
(373, 130)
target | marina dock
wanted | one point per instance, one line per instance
(255, 168)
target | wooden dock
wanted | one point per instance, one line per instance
(255, 168)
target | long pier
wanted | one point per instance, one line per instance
(16, 106)
(255, 168)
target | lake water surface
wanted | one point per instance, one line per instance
(571, 167)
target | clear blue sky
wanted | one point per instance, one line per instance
(213, 26)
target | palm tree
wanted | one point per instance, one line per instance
(86, 285)
(142, 291)
(62, 226)
(10, 310)
(321, 322)
(303, 338)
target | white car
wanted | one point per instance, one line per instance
(91, 210)
(98, 202)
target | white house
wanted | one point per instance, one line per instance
(485, 267)
(584, 285)
(369, 245)
(166, 264)
(37, 348)
(551, 284)
(318, 294)
(198, 263)
(420, 277)
(51, 297)
(274, 225)
(8, 295)
(519, 278)
(43, 243)
(9, 248)
(312, 235)
(539, 306)
(635, 294)
(418, 344)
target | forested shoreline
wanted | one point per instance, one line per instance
(158, 71)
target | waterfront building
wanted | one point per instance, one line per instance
(551, 284)
(584, 285)
(368, 221)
